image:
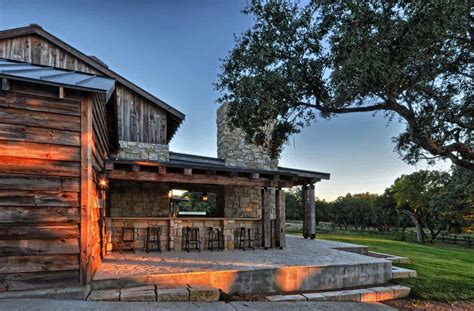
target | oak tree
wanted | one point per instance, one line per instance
(409, 60)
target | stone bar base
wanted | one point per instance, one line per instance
(172, 230)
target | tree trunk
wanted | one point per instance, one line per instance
(420, 237)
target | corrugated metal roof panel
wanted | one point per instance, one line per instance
(53, 76)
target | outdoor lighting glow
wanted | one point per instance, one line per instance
(170, 194)
(103, 183)
(204, 197)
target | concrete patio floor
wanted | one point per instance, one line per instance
(303, 265)
(44, 304)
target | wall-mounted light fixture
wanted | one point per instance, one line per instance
(204, 197)
(103, 182)
(102, 186)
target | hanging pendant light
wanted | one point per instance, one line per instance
(204, 197)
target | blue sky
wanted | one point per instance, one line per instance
(172, 49)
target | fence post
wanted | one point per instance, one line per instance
(455, 239)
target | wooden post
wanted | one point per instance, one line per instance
(304, 192)
(280, 222)
(86, 187)
(162, 170)
(266, 213)
(312, 213)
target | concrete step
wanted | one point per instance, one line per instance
(403, 273)
(373, 294)
(156, 293)
(392, 258)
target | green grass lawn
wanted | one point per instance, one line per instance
(444, 273)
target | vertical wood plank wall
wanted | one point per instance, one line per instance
(138, 119)
(40, 158)
(100, 150)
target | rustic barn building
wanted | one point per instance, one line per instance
(84, 154)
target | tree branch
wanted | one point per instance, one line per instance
(376, 107)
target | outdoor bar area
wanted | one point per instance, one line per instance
(156, 205)
(149, 210)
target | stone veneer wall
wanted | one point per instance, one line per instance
(242, 202)
(139, 199)
(232, 148)
(142, 151)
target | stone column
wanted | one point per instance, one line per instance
(311, 212)
(266, 217)
(280, 222)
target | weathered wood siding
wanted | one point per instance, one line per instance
(36, 50)
(52, 152)
(40, 162)
(101, 149)
(100, 138)
(138, 119)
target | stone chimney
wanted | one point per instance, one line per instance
(232, 148)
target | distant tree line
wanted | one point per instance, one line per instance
(429, 201)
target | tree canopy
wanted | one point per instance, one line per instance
(409, 60)
(431, 201)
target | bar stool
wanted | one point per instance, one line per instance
(153, 241)
(215, 239)
(192, 237)
(125, 239)
(245, 237)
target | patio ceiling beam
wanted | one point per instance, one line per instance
(195, 179)
(223, 175)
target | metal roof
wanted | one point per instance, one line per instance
(192, 160)
(52, 76)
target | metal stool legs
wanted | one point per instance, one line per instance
(214, 236)
(192, 237)
(153, 241)
(245, 239)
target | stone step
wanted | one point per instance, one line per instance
(157, 293)
(373, 294)
(403, 273)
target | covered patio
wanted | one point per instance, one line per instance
(140, 196)
(303, 265)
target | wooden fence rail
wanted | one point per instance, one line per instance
(461, 240)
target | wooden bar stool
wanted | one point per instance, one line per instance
(127, 238)
(153, 241)
(192, 237)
